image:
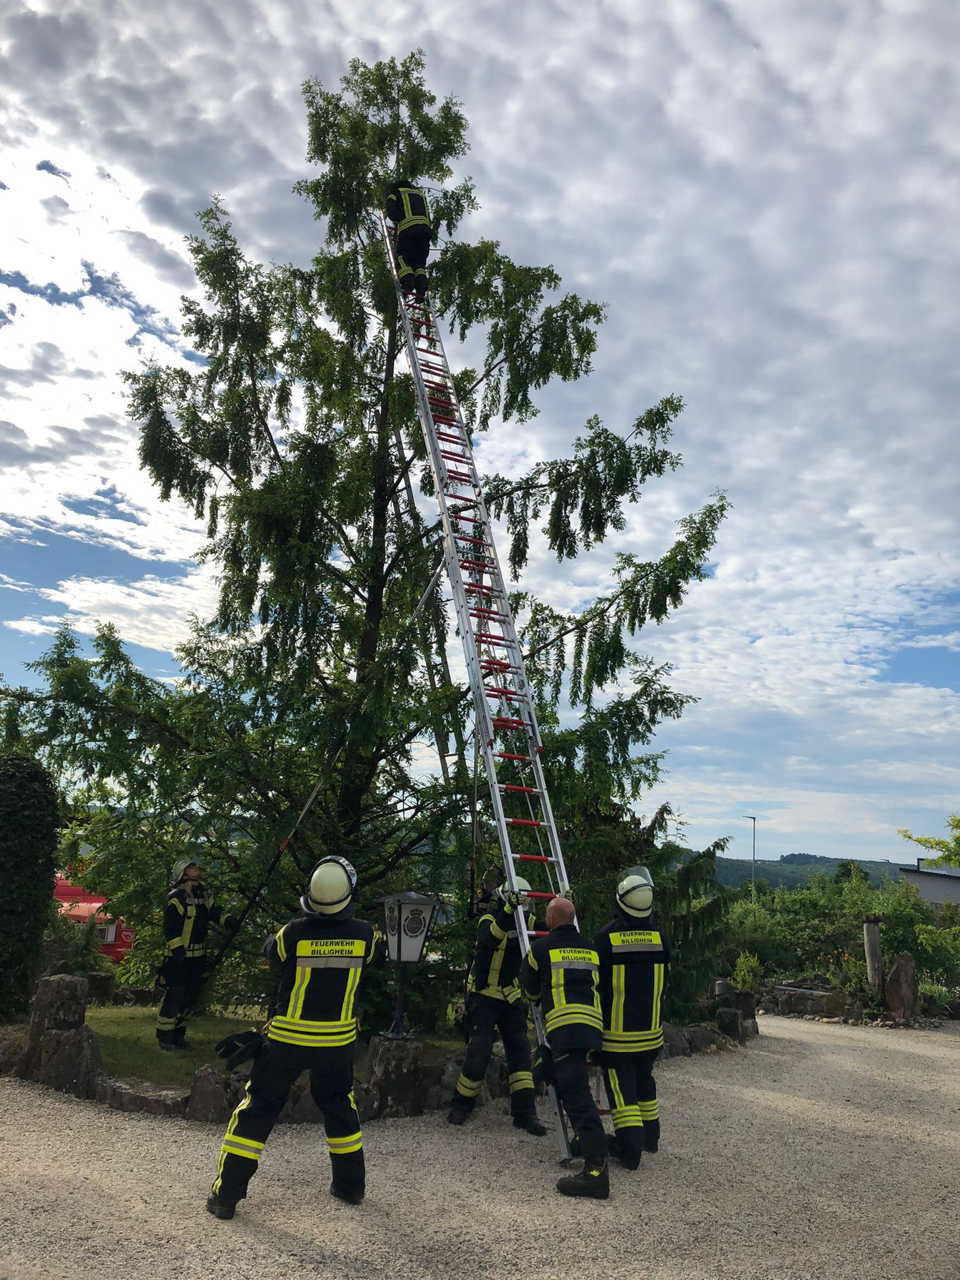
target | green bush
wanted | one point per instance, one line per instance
(71, 946)
(28, 842)
(747, 972)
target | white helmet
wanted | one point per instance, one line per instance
(635, 892)
(523, 886)
(178, 870)
(331, 887)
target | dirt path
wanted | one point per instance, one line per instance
(819, 1152)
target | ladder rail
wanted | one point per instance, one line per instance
(459, 491)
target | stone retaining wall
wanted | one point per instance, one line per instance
(62, 1052)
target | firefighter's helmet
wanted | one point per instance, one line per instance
(331, 887)
(523, 886)
(179, 868)
(635, 892)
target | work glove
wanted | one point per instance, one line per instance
(543, 1068)
(230, 922)
(242, 1046)
(511, 901)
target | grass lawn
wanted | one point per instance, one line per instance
(129, 1046)
(128, 1042)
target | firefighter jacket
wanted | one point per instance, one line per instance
(633, 967)
(186, 917)
(562, 972)
(320, 959)
(407, 207)
(496, 963)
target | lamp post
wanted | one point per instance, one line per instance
(407, 917)
(753, 872)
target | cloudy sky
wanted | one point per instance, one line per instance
(765, 194)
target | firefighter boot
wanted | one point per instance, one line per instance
(651, 1136)
(593, 1183)
(530, 1123)
(347, 1193)
(219, 1207)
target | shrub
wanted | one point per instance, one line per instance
(28, 841)
(747, 972)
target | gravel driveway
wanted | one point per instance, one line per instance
(819, 1152)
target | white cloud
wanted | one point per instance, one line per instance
(765, 195)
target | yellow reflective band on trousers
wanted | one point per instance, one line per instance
(230, 1136)
(242, 1147)
(626, 1118)
(468, 1088)
(345, 1146)
(165, 1024)
(520, 1080)
(649, 1110)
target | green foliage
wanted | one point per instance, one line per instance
(791, 871)
(818, 928)
(747, 972)
(948, 849)
(294, 441)
(28, 841)
(71, 946)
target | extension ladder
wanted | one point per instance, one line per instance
(505, 720)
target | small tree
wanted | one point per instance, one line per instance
(949, 850)
(28, 842)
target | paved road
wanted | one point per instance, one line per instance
(819, 1152)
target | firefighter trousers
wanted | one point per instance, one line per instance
(413, 248)
(273, 1074)
(485, 1016)
(573, 1086)
(183, 982)
(632, 1091)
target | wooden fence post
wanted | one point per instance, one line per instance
(874, 956)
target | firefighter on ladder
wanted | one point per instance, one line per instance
(494, 1002)
(187, 915)
(407, 208)
(321, 955)
(561, 971)
(634, 958)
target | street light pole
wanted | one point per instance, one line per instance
(753, 872)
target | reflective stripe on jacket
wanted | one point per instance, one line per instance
(321, 961)
(634, 958)
(562, 972)
(186, 918)
(407, 207)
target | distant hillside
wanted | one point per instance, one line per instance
(791, 871)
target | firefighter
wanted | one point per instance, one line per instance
(494, 1002)
(634, 958)
(561, 971)
(407, 207)
(321, 955)
(189, 911)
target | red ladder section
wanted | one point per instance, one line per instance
(506, 723)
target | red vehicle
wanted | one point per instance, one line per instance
(116, 938)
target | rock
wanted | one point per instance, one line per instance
(60, 1051)
(698, 1038)
(730, 1023)
(953, 1008)
(902, 993)
(208, 1099)
(750, 1027)
(761, 1011)
(100, 988)
(745, 1001)
(722, 988)
(834, 1020)
(496, 1083)
(301, 1108)
(855, 1011)
(675, 1043)
(13, 1041)
(394, 1072)
(134, 996)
